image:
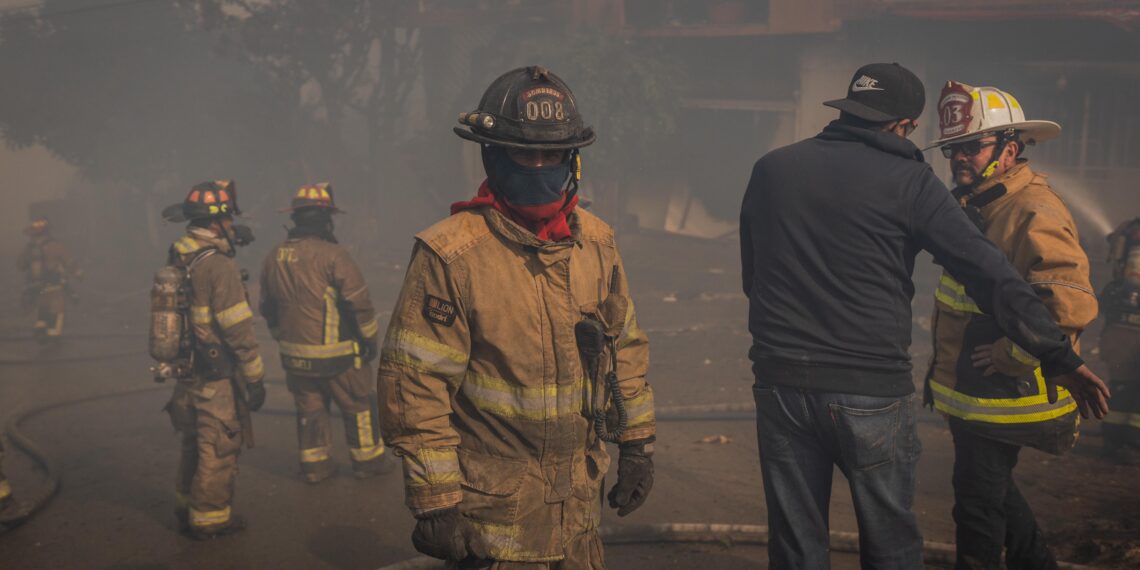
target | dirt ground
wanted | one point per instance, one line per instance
(117, 455)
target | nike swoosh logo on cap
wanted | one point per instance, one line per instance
(865, 83)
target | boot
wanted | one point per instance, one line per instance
(234, 525)
(314, 473)
(381, 465)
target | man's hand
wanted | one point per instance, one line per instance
(983, 357)
(439, 534)
(256, 395)
(1089, 391)
(635, 477)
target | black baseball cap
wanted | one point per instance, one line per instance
(882, 92)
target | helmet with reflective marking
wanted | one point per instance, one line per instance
(216, 198)
(530, 108)
(314, 196)
(967, 113)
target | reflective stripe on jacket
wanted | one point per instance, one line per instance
(481, 386)
(1035, 230)
(317, 305)
(219, 307)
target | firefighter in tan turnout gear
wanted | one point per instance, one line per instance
(318, 308)
(224, 380)
(1120, 344)
(992, 390)
(513, 353)
(49, 268)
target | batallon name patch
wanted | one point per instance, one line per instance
(439, 310)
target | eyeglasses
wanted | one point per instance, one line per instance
(968, 148)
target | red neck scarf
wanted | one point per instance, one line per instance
(547, 221)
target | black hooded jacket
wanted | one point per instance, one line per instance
(829, 230)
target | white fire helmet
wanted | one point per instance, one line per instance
(966, 113)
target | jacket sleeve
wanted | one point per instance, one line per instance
(633, 365)
(746, 259)
(1050, 256)
(422, 364)
(942, 228)
(266, 305)
(230, 308)
(354, 297)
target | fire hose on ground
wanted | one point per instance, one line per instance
(933, 552)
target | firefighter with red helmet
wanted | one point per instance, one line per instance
(1120, 344)
(317, 305)
(513, 354)
(49, 268)
(211, 403)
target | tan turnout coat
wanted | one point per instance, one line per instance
(481, 386)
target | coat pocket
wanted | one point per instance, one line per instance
(491, 486)
(867, 437)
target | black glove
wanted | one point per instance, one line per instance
(635, 476)
(368, 349)
(439, 534)
(256, 395)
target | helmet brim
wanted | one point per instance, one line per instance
(291, 209)
(174, 213)
(860, 110)
(1032, 132)
(580, 142)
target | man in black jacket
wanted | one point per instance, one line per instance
(829, 230)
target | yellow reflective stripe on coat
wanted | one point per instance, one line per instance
(5, 489)
(370, 329)
(201, 315)
(504, 399)
(630, 332)
(186, 245)
(639, 409)
(1021, 356)
(332, 317)
(315, 454)
(953, 294)
(1029, 409)
(317, 351)
(424, 354)
(254, 368)
(209, 518)
(233, 315)
(429, 466)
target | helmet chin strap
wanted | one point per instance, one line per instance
(1003, 138)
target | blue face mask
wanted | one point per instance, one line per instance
(524, 185)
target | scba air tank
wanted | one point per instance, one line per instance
(167, 316)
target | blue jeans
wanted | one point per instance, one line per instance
(803, 434)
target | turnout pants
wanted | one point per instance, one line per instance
(205, 414)
(352, 390)
(583, 552)
(1121, 427)
(49, 312)
(989, 510)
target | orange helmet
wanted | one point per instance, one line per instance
(39, 226)
(215, 198)
(314, 196)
